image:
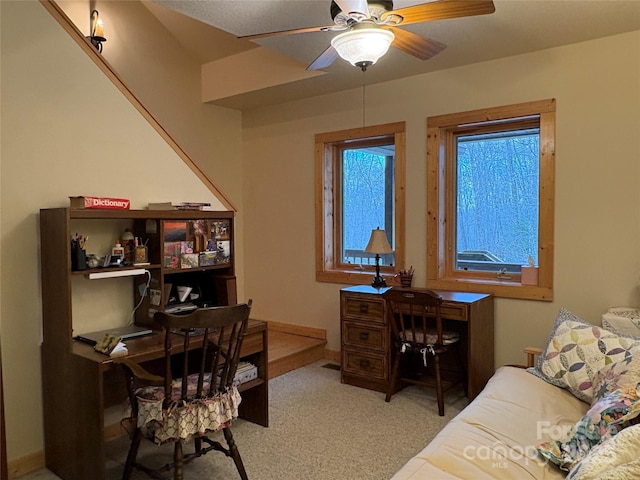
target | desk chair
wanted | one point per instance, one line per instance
(419, 339)
(196, 406)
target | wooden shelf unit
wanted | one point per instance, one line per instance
(79, 383)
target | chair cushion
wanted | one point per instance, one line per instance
(448, 337)
(182, 420)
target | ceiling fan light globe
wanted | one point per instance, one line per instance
(363, 46)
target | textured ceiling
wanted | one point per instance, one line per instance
(208, 29)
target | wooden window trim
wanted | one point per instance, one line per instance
(439, 271)
(328, 268)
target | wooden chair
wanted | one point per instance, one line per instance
(419, 340)
(207, 402)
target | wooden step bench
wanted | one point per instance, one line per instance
(291, 347)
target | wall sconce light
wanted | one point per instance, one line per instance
(378, 244)
(96, 27)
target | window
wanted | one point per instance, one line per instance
(360, 187)
(490, 199)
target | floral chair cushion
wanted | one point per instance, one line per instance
(577, 350)
(603, 420)
(183, 419)
(448, 337)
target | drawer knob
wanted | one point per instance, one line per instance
(364, 336)
(364, 363)
(364, 308)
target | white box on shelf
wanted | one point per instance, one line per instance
(246, 372)
(623, 320)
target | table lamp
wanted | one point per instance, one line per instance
(378, 244)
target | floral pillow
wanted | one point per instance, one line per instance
(603, 420)
(577, 350)
(617, 458)
(622, 374)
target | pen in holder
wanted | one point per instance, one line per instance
(406, 280)
(406, 277)
(78, 253)
(141, 256)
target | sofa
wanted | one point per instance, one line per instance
(572, 414)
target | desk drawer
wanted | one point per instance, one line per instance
(452, 311)
(363, 308)
(357, 335)
(371, 366)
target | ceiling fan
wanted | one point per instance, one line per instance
(370, 27)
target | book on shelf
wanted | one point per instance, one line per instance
(82, 202)
(245, 372)
(179, 206)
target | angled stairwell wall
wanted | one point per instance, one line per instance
(66, 129)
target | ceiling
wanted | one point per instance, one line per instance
(208, 30)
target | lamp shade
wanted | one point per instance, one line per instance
(363, 46)
(378, 242)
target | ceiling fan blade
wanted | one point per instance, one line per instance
(420, 47)
(353, 6)
(442, 10)
(288, 32)
(325, 59)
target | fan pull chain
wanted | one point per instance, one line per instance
(363, 99)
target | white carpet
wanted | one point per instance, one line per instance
(319, 429)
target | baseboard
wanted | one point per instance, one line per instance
(303, 331)
(27, 464)
(36, 461)
(333, 355)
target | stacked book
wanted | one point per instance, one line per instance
(246, 371)
(180, 206)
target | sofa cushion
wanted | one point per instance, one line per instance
(622, 374)
(608, 416)
(577, 350)
(617, 458)
(495, 436)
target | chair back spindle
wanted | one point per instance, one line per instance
(196, 376)
(413, 313)
(414, 316)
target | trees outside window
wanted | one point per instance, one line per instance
(360, 187)
(491, 199)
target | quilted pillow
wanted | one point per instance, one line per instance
(577, 350)
(615, 459)
(603, 420)
(622, 374)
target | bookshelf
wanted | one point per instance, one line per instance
(79, 383)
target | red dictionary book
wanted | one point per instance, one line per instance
(99, 202)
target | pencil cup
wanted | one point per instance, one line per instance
(406, 280)
(140, 254)
(78, 258)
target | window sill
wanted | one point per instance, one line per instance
(351, 277)
(499, 288)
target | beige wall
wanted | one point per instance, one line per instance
(597, 87)
(167, 80)
(66, 130)
(64, 126)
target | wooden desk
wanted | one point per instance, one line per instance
(87, 382)
(367, 343)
